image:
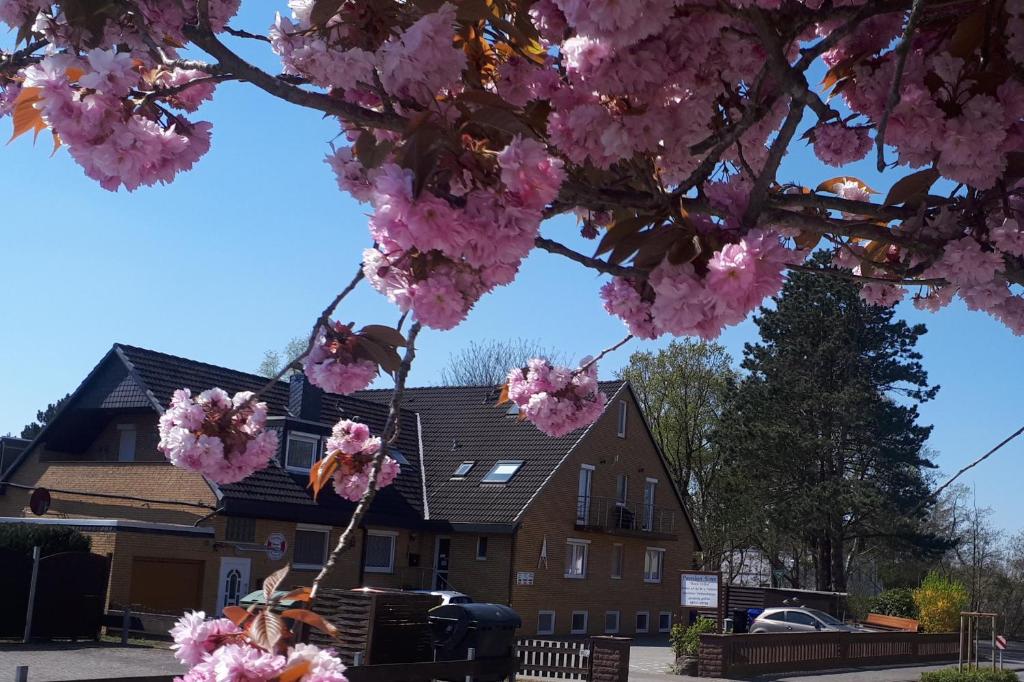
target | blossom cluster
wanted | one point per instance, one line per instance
(558, 400)
(438, 259)
(676, 299)
(333, 365)
(354, 449)
(221, 437)
(85, 102)
(216, 652)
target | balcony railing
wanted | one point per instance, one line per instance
(628, 518)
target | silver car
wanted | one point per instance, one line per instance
(798, 619)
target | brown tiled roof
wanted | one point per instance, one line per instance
(462, 423)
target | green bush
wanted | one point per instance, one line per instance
(939, 602)
(686, 638)
(896, 602)
(858, 606)
(21, 538)
(952, 675)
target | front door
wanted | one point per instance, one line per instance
(441, 558)
(234, 581)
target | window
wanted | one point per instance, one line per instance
(576, 558)
(579, 623)
(301, 451)
(621, 489)
(380, 551)
(583, 494)
(800, 618)
(617, 552)
(779, 615)
(481, 548)
(126, 442)
(545, 622)
(503, 471)
(665, 621)
(240, 530)
(611, 622)
(643, 621)
(310, 549)
(463, 469)
(654, 561)
(650, 487)
(622, 419)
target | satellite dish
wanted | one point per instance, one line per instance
(39, 503)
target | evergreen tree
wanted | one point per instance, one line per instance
(43, 417)
(824, 428)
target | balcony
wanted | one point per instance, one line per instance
(609, 515)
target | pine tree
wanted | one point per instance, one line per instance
(825, 427)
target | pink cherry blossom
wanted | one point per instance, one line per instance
(332, 363)
(354, 449)
(223, 438)
(878, 293)
(837, 145)
(557, 400)
(195, 636)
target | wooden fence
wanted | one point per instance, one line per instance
(722, 655)
(563, 659)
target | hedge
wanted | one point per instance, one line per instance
(953, 675)
(21, 538)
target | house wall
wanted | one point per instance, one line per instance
(97, 470)
(552, 515)
(485, 580)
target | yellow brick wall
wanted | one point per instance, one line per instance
(552, 515)
(484, 580)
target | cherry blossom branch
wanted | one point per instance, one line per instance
(846, 274)
(230, 62)
(552, 246)
(897, 78)
(762, 182)
(239, 33)
(611, 349)
(391, 429)
(322, 321)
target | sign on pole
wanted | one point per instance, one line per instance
(699, 590)
(1000, 642)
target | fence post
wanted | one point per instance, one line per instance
(470, 656)
(126, 616)
(31, 597)
(21, 673)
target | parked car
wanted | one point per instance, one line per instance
(448, 596)
(798, 619)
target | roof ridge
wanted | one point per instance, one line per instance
(465, 386)
(259, 377)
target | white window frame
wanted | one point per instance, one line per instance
(619, 549)
(662, 614)
(494, 471)
(487, 546)
(305, 437)
(394, 550)
(623, 414)
(661, 564)
(649, 504)
(572, 618)
(576, 542)
(636, 625)
(313, 528)
(123, 454)
(469, 464)
(549, 631)
(583, 496)
(618, 623)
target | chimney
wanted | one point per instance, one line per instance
(304, 399)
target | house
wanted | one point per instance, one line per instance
(10, 448)
(584, 534)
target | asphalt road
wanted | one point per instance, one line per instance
(82, 661)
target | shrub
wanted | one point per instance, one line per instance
(686, 638)
(939, 602)
(858, 606)
(21, 538)
(952, 675)
(896, 602)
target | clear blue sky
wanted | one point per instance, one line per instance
(240, 254)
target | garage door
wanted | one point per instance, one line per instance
(166, 585)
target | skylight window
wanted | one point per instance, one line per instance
(503, 471)
(463, 469)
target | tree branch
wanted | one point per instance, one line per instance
(594, 263)
(762, 182)
(897, 78)
(391, 428)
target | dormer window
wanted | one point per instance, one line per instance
(301, 451)
(126, 442)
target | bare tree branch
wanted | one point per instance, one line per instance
(897, 79)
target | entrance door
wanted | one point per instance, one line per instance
(442, 553)
(234, 581)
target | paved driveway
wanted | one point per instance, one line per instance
(649, 661)
(52, 662)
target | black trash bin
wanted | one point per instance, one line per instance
(739, 621)
(489, 629)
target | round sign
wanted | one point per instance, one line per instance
(39, 503)
(276, 546)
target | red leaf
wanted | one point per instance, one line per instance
(312, 619)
